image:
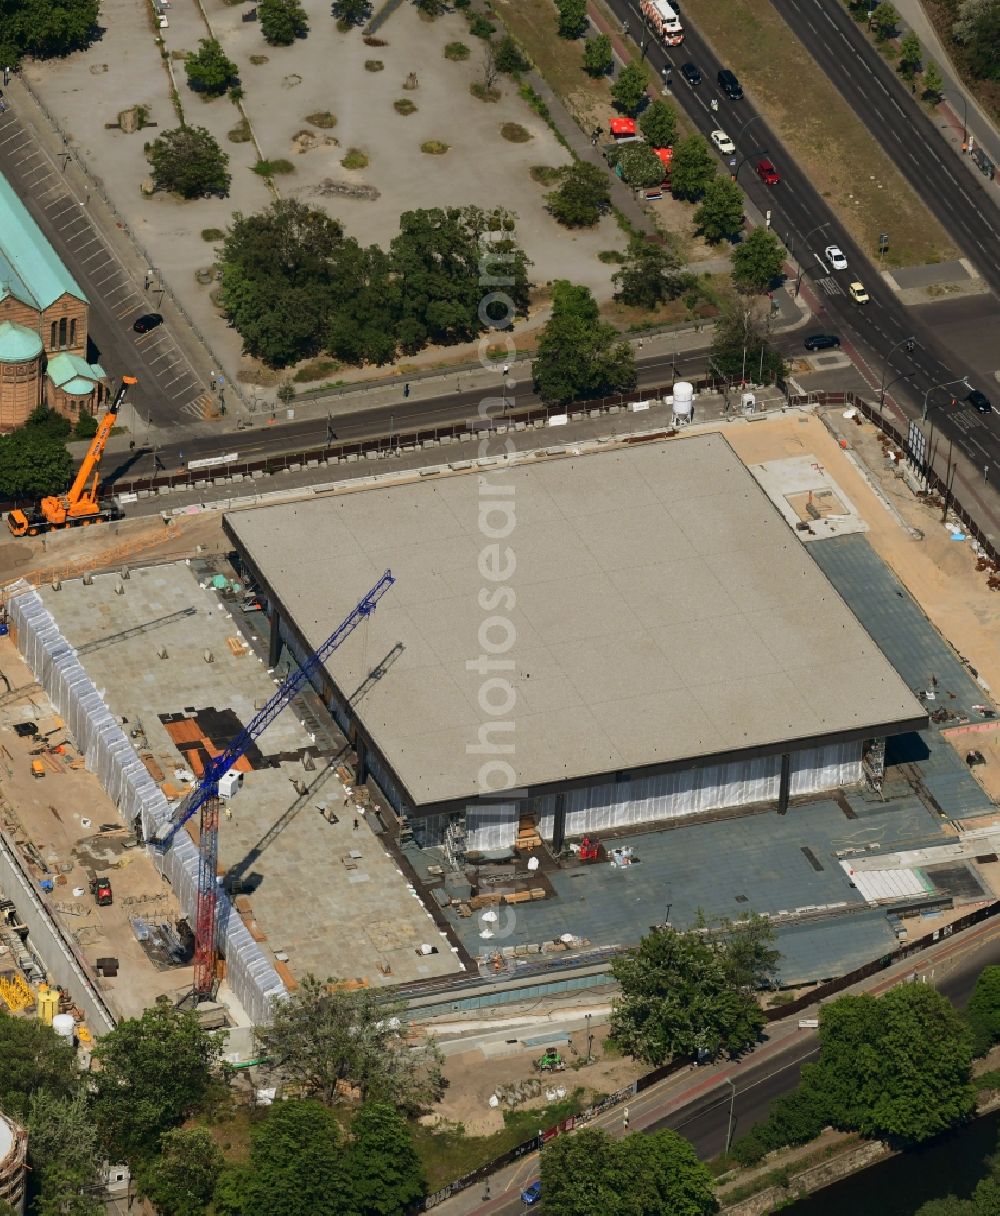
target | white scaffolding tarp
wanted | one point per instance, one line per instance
(110, 754)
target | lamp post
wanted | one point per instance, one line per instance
(805, 242)
(934, 387)
(885, 368)
(732, 1104)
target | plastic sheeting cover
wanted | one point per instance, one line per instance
(109, 753)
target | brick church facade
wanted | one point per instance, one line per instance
(43, 325)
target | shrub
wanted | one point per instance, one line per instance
(483, 93)
(404, 106)
(268, 168)
(479, 27)
(323, 119)
(86, 426)
(355, 159)
(545, 175)
(434, 147)
(257, 60)
(374, 65)
(515, 133)
(240, 134)
(212, 234)
(456, 51)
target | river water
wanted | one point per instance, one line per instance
(950, 1166)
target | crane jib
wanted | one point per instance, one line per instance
(216, 769)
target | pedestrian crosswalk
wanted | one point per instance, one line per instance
(830, 286)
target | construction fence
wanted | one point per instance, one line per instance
(109, 753)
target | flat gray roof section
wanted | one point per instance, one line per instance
(664, 613)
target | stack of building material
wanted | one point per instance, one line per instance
(527, 834)
(243, 906)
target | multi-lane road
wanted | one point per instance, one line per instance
(806, 224)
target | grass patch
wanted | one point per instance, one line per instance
(611, 257)
(374, 65)
(456, 51)
(987, 1080)
(257, 60)
(483, 93)
(823, 133)
(322, 119)
(355, 159)
(434, 147)
(240, 134)
(318, 369)
(514, 133)
(447, 1153)
(545, 175)
(404, 106)
(268, 168)
(212, 234)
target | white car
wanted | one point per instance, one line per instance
(723, 143)
(835, 256)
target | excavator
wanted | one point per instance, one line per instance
(81, 505)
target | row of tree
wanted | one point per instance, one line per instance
(45, 28)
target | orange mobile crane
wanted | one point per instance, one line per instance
(81, 506)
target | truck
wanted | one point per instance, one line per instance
(81, 505)
(100, 888)
(663, 21)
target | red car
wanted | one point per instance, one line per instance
(767, 173)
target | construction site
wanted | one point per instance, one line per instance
(740, 686)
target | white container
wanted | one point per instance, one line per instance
(64, 1025)
(683, 399)
(229, 783)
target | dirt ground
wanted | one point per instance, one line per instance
(474, 1076)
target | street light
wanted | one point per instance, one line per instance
(934, 387)
(885, 368)
(732, 1104)
(805, 242)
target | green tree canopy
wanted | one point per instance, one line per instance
(983, 1011)
(188, 161)
(64, 1155)
(386, 1176)
(296, 1166)
(909, 55)
(282, 21)
(319, 1037)
(933, 82)
(883, 20)
(977, 30)
(580, 1175)
(897, 1067)
(580, 357)
(650, 274)
(757, 261)
(154, 1071)
(208, 70)
(740, 349)
(509, 58)
(33, 461)
(180, 1180)
(658, 123)
(683, 992)
(598, 57)
(352, 12)
(640, 166)
(720, 214)
(582, 197)
(45, 28)
(572, 17)
(629, 89)
(691, 169)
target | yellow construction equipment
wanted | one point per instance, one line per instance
(81, 505)
(16, 992)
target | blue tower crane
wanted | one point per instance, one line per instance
(205, 796)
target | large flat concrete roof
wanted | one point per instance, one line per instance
(664, 613)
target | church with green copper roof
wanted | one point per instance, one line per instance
(43, 325)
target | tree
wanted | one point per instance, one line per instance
(650, 274)
(639, 165)
(909, 55)
(572, 17)
(977, 30)
(180, 1180)
(433, 8)
(86, 426)
(580, 1175)
(983, 1011)
(629, 90)
(154, 1071)
(897, 1067)
(578, 355)
(282, 21)
(665, 1175)
(659, 124)
(321, 1035)
(33, 461)
(45, 421)
(933, 82)
(46, 28)
(64, 1154)
(740, 350)
(883, 20)
(296, 1165)
(509, 58)
(757, 261)
(208, 69)
(598, 57)
(361, 327)
(582, 197)
(720, 214)
(351, 12)
(385, 1175)
(189, 162)
(691, 169)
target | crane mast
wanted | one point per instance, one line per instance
(204, 798)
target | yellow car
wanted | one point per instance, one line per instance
(857, 293)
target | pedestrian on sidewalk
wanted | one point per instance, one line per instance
(625, 1118)
(355, 825)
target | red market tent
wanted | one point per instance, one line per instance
(622, 126)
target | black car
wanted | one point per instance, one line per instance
(691, 74)
(822, 342)
(980, 401)
(730, 85)
(147, 321)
